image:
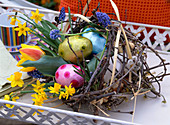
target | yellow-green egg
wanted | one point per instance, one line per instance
(78, 44)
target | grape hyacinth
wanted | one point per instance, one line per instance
(54, 34)
(103, 18)
(62, 14)
(35, 74)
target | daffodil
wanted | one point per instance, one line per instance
(16, 79)
(38, 87)
(22, 29)
(13, 20)
(10, 97)
(38, 99)
(62, 95)
(55, 89)
(43, 94)
(70, 91)
(36, 16)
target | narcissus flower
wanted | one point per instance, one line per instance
(38, 99)
(10, 97)
(38, 87)
(22, 29)
(55, 89)
(69, 91)
(62, 95)
(13, 20)
(16, 79)
(36, 16)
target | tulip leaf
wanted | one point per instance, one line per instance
(69, 15)
(47, 65)
(51, 25)
(43, 23)
(46, 48)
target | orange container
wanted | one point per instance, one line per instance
(154, 12)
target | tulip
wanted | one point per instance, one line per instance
(32, 53)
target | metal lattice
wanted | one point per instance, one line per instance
(25, 112)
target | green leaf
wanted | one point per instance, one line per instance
(44, 24)
(92, 63)
(49, 42)
(51, 25)
(46, 48)
(48, 85)
(47, 65)
(69, 15)
(95, 25)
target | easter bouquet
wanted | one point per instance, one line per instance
(84, 60)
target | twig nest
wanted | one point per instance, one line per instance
(108, 74)
(97, 40)
(78, 44)
(65, 75)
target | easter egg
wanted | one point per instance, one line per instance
(97, 40)
(79, 44)
(65, 75)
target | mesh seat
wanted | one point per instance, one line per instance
(154, 12)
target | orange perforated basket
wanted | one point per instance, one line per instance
(154, 12)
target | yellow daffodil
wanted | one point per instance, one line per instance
(42, 94)
(38, 87)
(13, 20)
(16, 79)
(38, 99)
(10, 97)
(70, 91)
(55, 89)
(36, 16)
(22, 29)
(62, 95)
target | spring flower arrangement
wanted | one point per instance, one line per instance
(84, 60)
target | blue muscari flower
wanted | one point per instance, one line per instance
(54, 34)
(103, 18)
(35, 74)
(62, 14)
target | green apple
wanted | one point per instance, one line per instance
(79, 44)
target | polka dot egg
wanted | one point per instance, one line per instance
(65, 75)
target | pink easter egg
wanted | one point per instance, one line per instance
(65, 75)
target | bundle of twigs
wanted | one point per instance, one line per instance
(135, 77)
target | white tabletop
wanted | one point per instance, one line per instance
(149, 111)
